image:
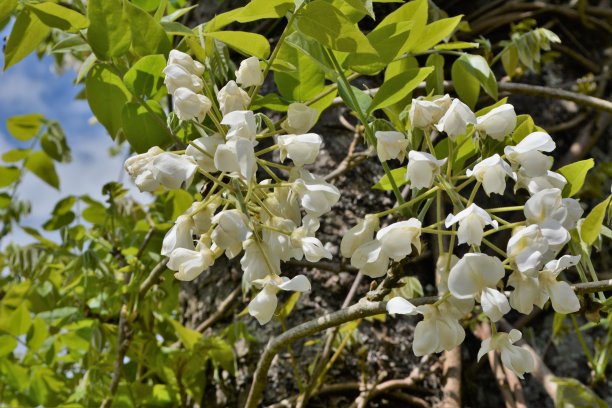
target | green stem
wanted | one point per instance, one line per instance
(415, 200)
(587, 353)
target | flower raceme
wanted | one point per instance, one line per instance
(267, 222)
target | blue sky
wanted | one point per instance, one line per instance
(32, 86)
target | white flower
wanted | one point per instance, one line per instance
(263, 305)
(236, 156)
(302, 149)
(528, 154)
(398, 238)
(574, 212)
(179, 236)
(190, 105)
(173, 171)
(424, 114)
(277, 241)
(476, 275)
(536, 184)
(422, 169)
(527, 248)
(391, 145)
(179, 77)
(202, 214)
(139, 169)
(258, 261)
(492, 172)
(156, 167)
(471, 221)
(370, 259)
(300, 118)
(283, 203)
(359, 235)
(442, 272)
(242, 125)
(203, 151)
(562, 297)
(514, 358)
(231, 231)
(177, 57)
(316, 195)
(497, 123)
(455, 120)
(546, 209)
(307, 245)
(249, 73)
(437, 331)
(232, 98)
(526, 292)
(190, 264)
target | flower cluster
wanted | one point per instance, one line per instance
(268, 221)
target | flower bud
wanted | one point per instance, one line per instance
(424, 114)
(497, 123)
(232, 98)
(391, 145)
(455, 120)
(302, 149)
(422, 169)
(249, 73)
(179, 77)
(190, 105)
(300, 118)
(177, 57)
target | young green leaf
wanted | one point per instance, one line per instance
(575, 174)
(148, 36)
(589, 231)
(144, 128)
(24, 127)
(109, 31)
(144, 79)
(28, 31)
(399, 176)
(250, 44)
(56, 16)
(396, 88)
(43, 167)
(106, 95)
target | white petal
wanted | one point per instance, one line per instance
(399, 305)
(298, 284)
(494, 304)
(563, 298)
(263, 305)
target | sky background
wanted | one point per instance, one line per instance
(32, 86)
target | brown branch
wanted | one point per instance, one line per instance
(123, 343)
(360, 310)
(452, 371)
(223, 307)
(152, 278)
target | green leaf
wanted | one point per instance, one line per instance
(435, 32)
(575, 174)
(572, 393)
(363, 99)
(253, 11)
(399, 176)
(466, 85)
(148, 36)
(25, 127)
(145, 78)
(589, 231)
(176, 28)
(106, 95)
(188, 337)
(250, 44)
(456, 45)
(27, 33)
(524, 127)
(326, 24)
(15, 155)
(7, 345)
(396, 88)
(72, 43)
(38, 334)
(144, 128)
(289, 304)
(435, 83)
(478, 67)
(60, 17)
(54, 143)
(6, 9)
(109, 31)
(42, 166)
(305, 82)
(15, 322)
(313, 49)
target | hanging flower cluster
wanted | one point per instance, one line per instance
(271, 221)
(267, 221)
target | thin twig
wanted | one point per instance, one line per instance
(152, 278)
